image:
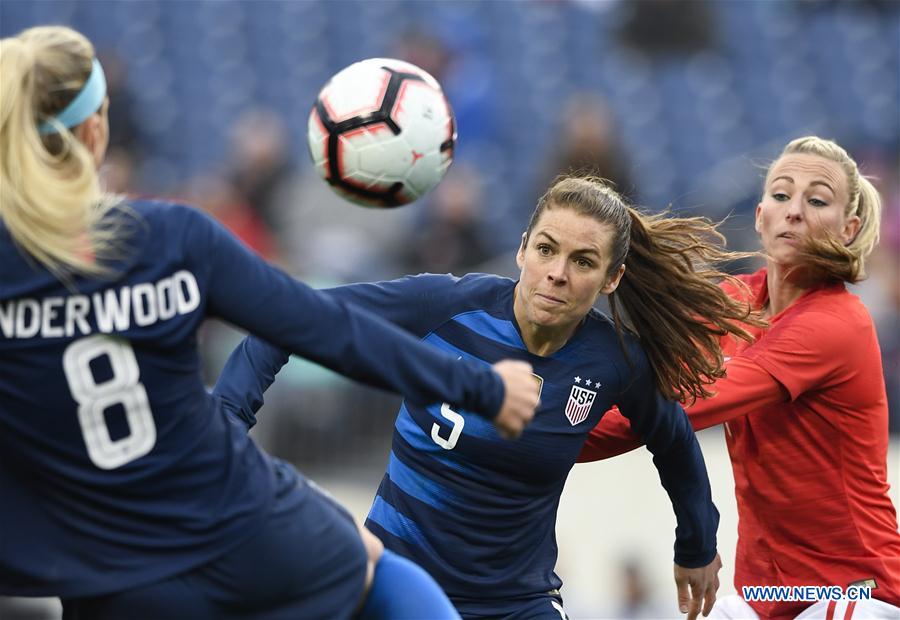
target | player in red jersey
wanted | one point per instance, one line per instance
(804, 407)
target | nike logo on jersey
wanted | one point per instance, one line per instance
(540, 382)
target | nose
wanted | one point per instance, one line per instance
(794, 212)
(557, 270)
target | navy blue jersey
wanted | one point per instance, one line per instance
(116, 466)
(479, 512)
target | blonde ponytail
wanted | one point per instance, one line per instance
(50, 197)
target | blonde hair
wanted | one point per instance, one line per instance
(828, 258)
(670, 288)
(50, 196)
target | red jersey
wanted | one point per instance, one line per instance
(810, 460)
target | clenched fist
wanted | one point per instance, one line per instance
(521, 397)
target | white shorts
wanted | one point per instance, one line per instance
(871, 609)
(733, 607)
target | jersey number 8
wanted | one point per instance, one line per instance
(95, 398)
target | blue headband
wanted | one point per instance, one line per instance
(85, 103)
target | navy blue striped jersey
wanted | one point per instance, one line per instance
(477, 511)
(117, 468)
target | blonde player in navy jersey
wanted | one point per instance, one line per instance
(124, 489)
(479, 513)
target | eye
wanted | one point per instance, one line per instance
(543, 249)
(584, 263)
(816, 202)
(780, 196)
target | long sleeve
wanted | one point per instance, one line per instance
(611, 437)
(746, 388)
(664, 427)
(248, 292)
(248, 373)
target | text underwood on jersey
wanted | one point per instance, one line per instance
(113, 310)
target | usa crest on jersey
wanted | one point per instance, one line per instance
(579, 405)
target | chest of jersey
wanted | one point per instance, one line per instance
(575, 392)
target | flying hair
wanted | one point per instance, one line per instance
(670, 290)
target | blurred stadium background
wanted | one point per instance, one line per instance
(681, 103)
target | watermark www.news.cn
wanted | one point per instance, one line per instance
(805, 593)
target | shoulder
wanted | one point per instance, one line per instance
(484, 283)
(162, 232)
(841, 306)
(827, 310)
(600, 334)
(161, 219)
(830, 322)
(165, 213)
(469, 285)
(598, 325)
(174, 224)
(817, 341)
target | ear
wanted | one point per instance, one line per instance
(89, 133)
(613, 283)
(851, 229)
(520, 255)
(756, 224)
(86, 132)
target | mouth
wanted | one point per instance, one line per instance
(788, 236)
(550, 299)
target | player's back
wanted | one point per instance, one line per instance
(116, 466)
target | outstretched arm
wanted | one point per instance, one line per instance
(412, 302)
(243, 289)
(252, 366)
(746, 388)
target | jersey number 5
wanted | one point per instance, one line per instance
(458, 423)
(95, 398)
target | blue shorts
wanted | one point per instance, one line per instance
(540, 607)
(307, 562)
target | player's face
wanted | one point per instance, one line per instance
(563, 268)
(806, 195)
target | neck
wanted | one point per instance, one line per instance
(785, 287)
(540, 339)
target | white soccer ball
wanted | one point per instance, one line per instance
(381, 133)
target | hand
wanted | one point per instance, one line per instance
(696, 584)
(520, 398)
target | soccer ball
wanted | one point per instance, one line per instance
(381, 133)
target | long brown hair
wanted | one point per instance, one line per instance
(670, 288)
(825, 257)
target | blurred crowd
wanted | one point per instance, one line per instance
(263, 188)
(261, 185)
